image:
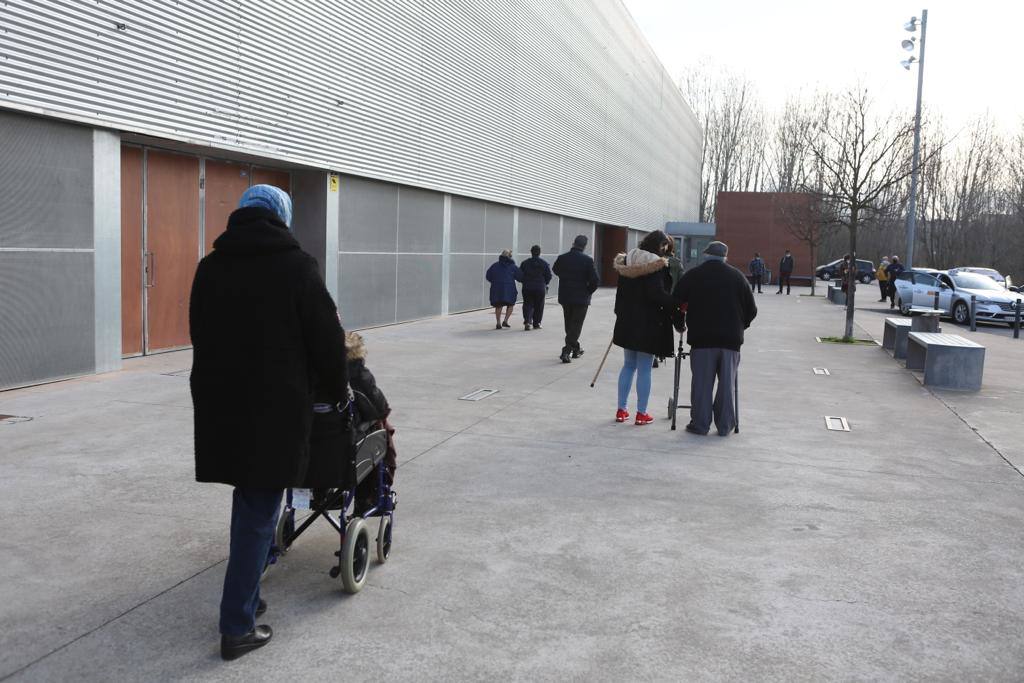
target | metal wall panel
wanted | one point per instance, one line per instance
(468, 221)
(367, 285)
(556, 106)
(368, 216)
(47, 314)
(498, 229)
(420, 221)
(45, 183)
(466, 284)
(419, 286)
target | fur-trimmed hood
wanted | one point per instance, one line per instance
(638, 263)
(355, 348)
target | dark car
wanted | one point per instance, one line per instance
(830, 271)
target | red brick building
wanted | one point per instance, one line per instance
(759, 222)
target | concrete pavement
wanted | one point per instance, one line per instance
(536, 539)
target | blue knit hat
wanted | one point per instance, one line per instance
(269, 197)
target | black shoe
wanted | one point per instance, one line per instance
(261, 607)
(565, 356)
(497, 327)
(233, 647)
(536, 326)
(577, 352)
(526, 326)
(505, 324)
(693, 430)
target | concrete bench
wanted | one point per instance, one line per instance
(925, 319)
(948, 360)
(836, 295)
(895, 336)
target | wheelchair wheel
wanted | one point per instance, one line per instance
(355, 555)
(384, 539)
(284, 530)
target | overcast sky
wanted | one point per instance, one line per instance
(974, 58)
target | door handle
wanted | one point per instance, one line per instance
(150, 266)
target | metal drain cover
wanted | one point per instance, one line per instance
(13, 419)
(836, 424)
(178, 373)
(478, 395)
(821, 371)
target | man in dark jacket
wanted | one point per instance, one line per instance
(536, 276)
(893, 270)
(264, 330)
(577, 280)
(719, 307)
(756, 271)
(785, 271)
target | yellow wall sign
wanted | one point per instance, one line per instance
(332, 183)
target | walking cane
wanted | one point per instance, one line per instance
(603, 359)
(736, 395)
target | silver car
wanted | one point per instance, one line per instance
(955, 287)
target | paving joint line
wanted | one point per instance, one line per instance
(711, 456)
(109, 621)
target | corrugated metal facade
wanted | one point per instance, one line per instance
(555, 106)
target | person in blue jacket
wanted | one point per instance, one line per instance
(503, 275)
(536, 277)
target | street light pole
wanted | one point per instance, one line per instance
(912, 208)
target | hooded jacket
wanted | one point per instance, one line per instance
(502, 275)
(264, 332)
(643, 309)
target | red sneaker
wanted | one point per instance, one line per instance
(621, 415)
(643, 419)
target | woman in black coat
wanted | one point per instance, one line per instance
(643, 320)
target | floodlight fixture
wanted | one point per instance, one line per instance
(909, 45)
(911, 25)
(908, 62)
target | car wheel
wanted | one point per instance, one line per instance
(826, 276)
(866, 279)
(904, 310)
(961, 314)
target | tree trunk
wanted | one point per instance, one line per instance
(814, 259)
(851, 278)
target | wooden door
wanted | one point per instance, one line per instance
(225, 183)
(271, 176)
(172, 246)
(613, 243)
(131, 252)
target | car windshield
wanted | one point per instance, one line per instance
(975, 281)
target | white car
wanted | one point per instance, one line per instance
(955, 287)
(990, 272)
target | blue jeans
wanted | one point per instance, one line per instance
(640, 363)
(253, 518)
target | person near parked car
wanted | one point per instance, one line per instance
(883, 278)
(577, 281)
(265, 333)
(757, 272)
(893, 270)
(719, 307)
(643, 319)
(844, 272)
(536, 277)
(786, 265)
(503, 275)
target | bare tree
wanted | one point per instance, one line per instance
(865, 161)
(806, 217)
(734, 131)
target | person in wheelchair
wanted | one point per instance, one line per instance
(371, 407)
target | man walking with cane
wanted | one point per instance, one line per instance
(720, 306)
(577, 281)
